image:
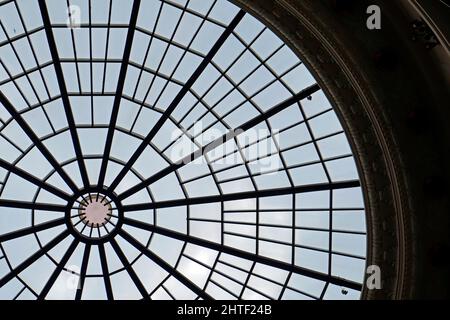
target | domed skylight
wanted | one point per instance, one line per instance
(168, 150)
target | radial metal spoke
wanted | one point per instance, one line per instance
(130, 270)
(184, 90)
(34, 229)
(36, 141)
(24, 175)
(244, 254)
(28, 262)
(84, 266)
(31, 206)
(163, 264)
(222, 140)
(243, 195)
(105, 271)
(119, 91)
(64, 94)
(51, 281)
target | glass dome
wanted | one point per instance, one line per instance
(168, 150)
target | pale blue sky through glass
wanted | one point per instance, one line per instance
(253, 71)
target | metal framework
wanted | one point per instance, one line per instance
(100, 105)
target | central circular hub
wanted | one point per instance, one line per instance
(96, 212)
(94, 216)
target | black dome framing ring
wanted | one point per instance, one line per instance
(92, 238)
(254, 215)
